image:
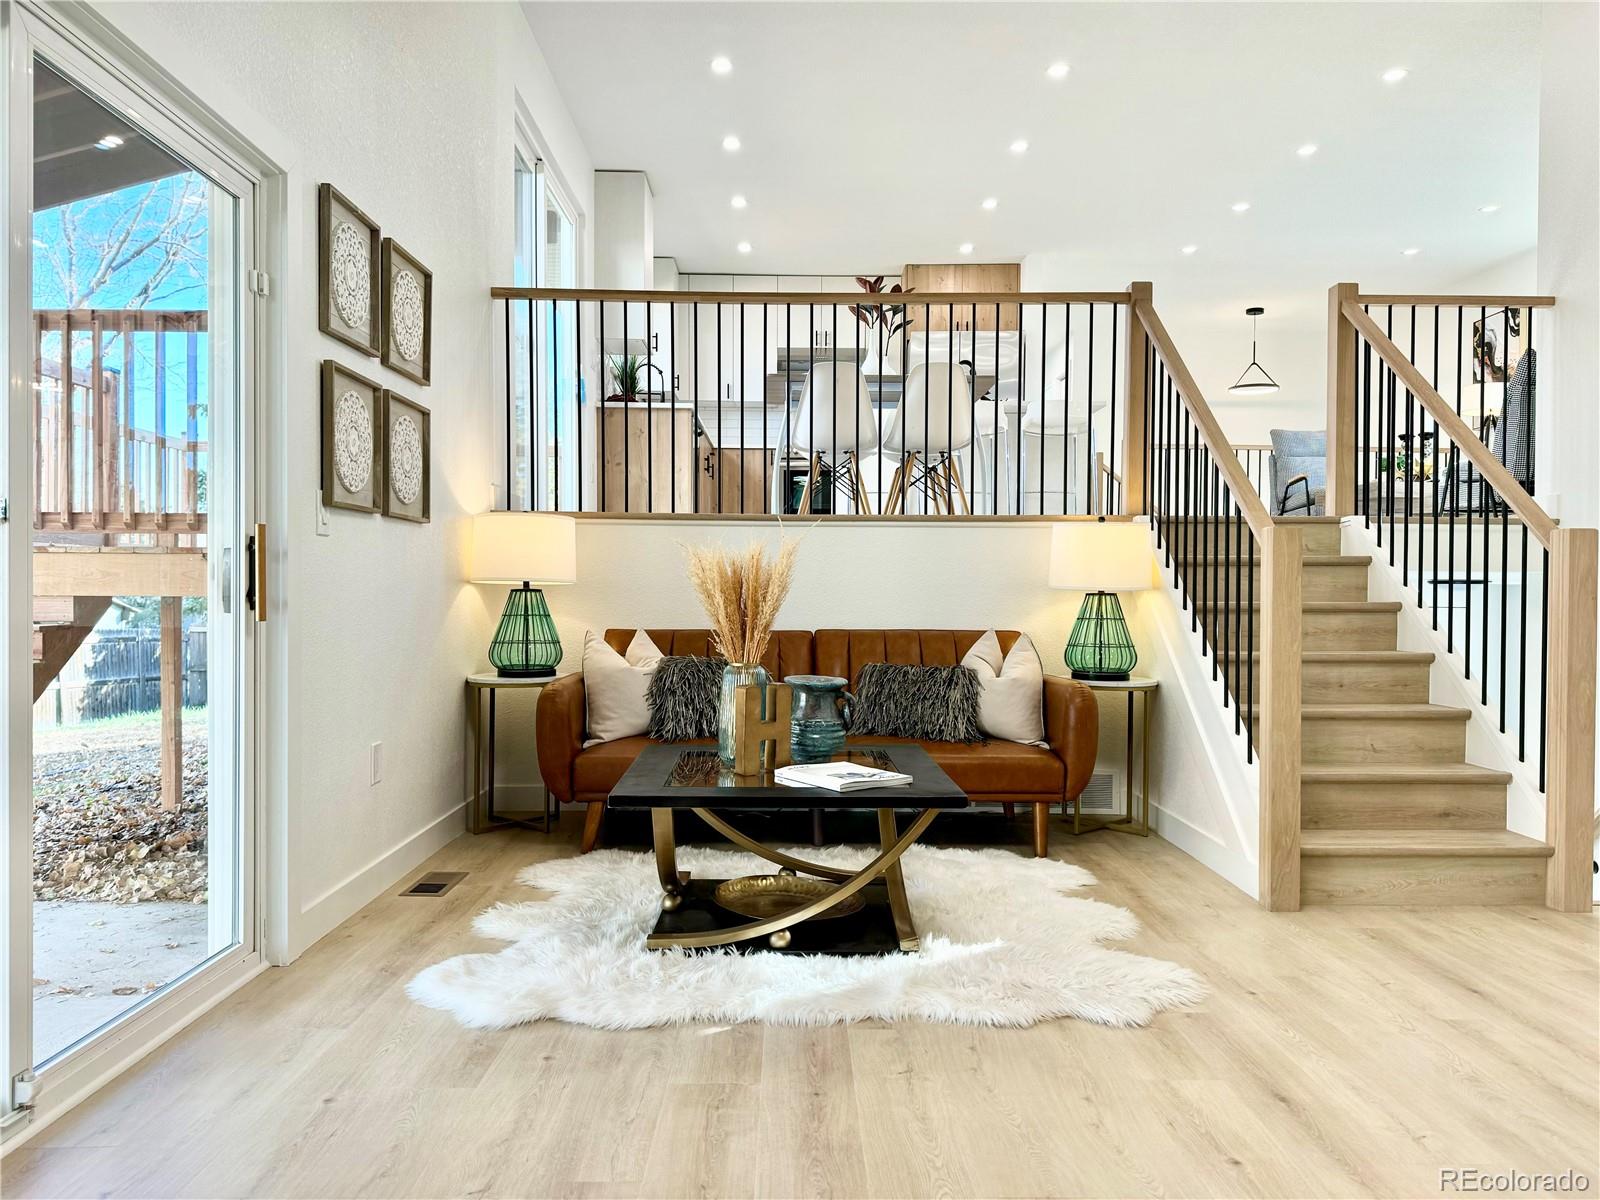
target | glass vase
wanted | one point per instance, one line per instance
(736, 675)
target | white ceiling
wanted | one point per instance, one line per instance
(871, 132)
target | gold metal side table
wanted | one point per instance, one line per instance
(482, 768)
(1138, 685)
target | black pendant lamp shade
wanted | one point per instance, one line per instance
(1254, 380)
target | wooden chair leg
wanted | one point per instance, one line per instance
(893, 504)
(863, 501)
(592, 820)
(1041, 831)
(805, 493)
(954, 472)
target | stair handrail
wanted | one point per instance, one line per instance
(1278, 734)
(1574, 563)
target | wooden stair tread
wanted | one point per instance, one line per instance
(1453, 773)
(1386, 712)
(1424, 843)
(1306, 520)
(1329, 606)
(1362, 656)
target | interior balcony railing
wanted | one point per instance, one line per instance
(1512, 592)
(664, 403)
(1239, 578)
(118, 422)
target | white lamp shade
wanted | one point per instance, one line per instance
(1100, 556)
(513, 547)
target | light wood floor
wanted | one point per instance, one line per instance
(1342, 1053)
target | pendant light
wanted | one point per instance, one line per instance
(1254, 380)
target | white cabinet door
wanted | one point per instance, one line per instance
(754, 351)
(799, 322)
(704, 354)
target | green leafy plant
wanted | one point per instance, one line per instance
(628, 372)
(891, 318)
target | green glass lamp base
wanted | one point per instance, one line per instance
(526, 645)
(1100, 646)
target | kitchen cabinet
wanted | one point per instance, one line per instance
(963, 277)
(649, 454)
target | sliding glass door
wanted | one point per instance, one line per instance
(130, 821)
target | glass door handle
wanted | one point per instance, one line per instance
(255, 591)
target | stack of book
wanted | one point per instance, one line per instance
(838, 777)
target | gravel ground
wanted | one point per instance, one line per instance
(99, 832)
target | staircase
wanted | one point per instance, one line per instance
(1390, 810)
(60, 624)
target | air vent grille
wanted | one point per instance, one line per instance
(435, 883)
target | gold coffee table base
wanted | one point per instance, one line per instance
(886, 866)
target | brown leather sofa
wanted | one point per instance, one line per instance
(997, 772)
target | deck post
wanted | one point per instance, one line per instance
(171, 702)
(1341, 418)
(1569, 798)
(1134, 500)
(1278, 733)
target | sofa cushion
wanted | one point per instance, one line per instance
(614, 686)
(1010, 689)
(900, 700)
(683, 697)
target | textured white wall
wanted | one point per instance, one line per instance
(409, 110)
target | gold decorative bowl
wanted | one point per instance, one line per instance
(763, 896)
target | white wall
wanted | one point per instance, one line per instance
(408, 109)
(624, 230)
(1568, 261)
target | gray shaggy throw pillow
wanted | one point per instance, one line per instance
(683, 698)
(933, 704)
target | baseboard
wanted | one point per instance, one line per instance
(326, 912)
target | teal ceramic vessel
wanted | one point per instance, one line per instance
(819, 716)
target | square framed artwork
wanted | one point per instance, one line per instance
(349, 251)
(407, 314)
(352, 433)
(407, 473)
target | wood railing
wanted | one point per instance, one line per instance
(1213, 529)
(1376, 391)
(101, 464)
(675, 403)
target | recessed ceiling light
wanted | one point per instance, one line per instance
(1489, 208)
(110, 142)
(1188, 249)
(1395, 74)
(1057, 70)
(721, 65)
(743, 247)
(739, 202)
(1020, 146)
(1410, 250)
(989, 203)
(965, 247)
(1241, 206)
(1307, 150)
(730, 143)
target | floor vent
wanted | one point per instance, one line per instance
(435, 883)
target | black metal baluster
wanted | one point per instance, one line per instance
(1250, 677)
(997, 438)
(1366, 441)
(627, 424)
(788, 410)
(511, 393)
(1544, 659)
(694, 420)
(1484, 678)
(535, 496)
(833, 364)
(811, 409)
(1066, 410)
(577, 358)
(649, 411)
(555, 404)
(766, 456)
(972, 415)
(1432, 490)
(744, 376)
(1118, 467)
(600, 408)
(949, 401)
(1505, 584)
(1522, 652)
(1088, 417)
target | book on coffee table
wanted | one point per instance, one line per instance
(838, 777)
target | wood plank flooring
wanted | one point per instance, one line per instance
(1343, 1052)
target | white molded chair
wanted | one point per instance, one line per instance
(835, 420)
(933, 420)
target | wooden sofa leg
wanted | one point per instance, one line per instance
(591, 825)
(1009, 809)
(1041, 830)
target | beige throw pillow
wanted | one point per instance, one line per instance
(1011, 689)
(614, 686)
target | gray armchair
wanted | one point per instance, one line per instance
(1297, 471)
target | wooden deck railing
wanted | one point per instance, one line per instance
(97, 467)
(1376, 391)
(1213, 528)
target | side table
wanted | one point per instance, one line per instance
(1138, 685)
(482, 769)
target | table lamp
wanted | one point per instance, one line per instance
(1100, 558)
(524, 549)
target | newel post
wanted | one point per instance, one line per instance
(1341, 420)
(1570, 700)
(1278, 730)
(1134, 449)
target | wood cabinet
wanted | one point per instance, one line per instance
(649, 457)
(963, 277)
(744, 478)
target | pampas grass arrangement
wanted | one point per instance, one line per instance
(741, 591)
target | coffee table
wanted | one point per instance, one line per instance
(667, 777)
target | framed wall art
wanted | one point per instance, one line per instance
(348, 295)
(407, 313)
(407, 476)
(352, 432)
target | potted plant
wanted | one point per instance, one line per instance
(883, 324)
(627, 371)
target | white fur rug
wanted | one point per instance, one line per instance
(1002, 944)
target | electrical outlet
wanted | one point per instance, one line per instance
(376, 755)
(324, 529)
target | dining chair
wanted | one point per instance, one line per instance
(933, 421)
(833, 429)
